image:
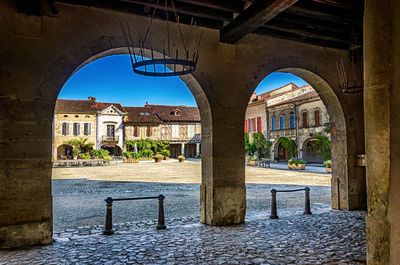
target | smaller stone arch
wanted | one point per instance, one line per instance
(65, 152)
(115, 150)
(309, 151)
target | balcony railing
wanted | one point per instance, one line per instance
(106, 138)
(283, 133)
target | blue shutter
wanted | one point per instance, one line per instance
(282, 125)
(292, 120)
(273, 123)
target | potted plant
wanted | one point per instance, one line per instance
(165, 154)
(181, 158)
(296, 164)
(328, 165)
(158, 158)
(252, 161)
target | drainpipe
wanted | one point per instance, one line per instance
(267, 121)
(296, 127)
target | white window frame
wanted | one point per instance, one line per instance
(191, 130)
(175, 130)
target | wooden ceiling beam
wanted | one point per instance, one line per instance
(305, 10)
(224, 5)
(187, 9)
(308, 33)
(350, 5)
(299, 38)
(253, 17)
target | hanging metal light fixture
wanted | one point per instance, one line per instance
(351, 73)
(169, 63)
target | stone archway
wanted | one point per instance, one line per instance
(65, 151)
(341, 181)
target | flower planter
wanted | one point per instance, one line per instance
(158, 160)
(181, 160)
(298, 167)
(329, 170)
(252, 163)
(130, 160)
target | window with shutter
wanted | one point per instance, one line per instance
(149, 130)
(305, 119)
(273, 123)
(190, 130)
(281, 122)
(136, 131)
(316, 117)
(245, 126)
(291, 120)
(258, 124)
(64, 128)
(86, 129)
(175, 131)
(76, 129)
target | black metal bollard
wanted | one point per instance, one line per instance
(274, 214)
(161, 221)
(307, 208)
(108, 230)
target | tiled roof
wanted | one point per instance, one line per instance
(141, 115)
(175, 113)
(309, 95)
(76, 106)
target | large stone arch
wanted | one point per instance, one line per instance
(347, 185)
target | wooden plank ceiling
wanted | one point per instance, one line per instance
(328, 23)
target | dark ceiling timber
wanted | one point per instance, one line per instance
(187, 9)
(252, 18)
(329, 23)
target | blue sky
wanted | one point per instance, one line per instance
(110, 79)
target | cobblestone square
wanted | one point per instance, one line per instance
(326, 237)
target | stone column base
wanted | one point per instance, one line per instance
(222, 205)
(35, 233)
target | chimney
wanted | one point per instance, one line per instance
(253, 97)
(92, 99)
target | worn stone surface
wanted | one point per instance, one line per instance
(333, 237)
(33, 72)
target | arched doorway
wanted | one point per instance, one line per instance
(114, 150)
(310, 153)
(65, 152)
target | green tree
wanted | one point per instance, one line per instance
(323, 145)
(261, 144)
(289, 145)
(250, 148)
(80, 145)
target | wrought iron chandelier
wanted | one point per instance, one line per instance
(351, 73)
(169, 63)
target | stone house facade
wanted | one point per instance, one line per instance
(101, 123)
(293, 112)
(179, 125)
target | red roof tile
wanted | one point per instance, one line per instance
(175, 113)
(76, 106)
(141, 115)
(309, 95)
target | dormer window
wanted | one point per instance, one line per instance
(176, 112)
(144, 113)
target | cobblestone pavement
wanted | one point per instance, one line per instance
(80, 202)
(329, 237)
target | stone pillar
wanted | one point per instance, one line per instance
(382, 129)
(223, 190)
(197, 150)
(25, 173)
(183, 149)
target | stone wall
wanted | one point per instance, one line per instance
(130, 132)
(45, 51)
(71, 118)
